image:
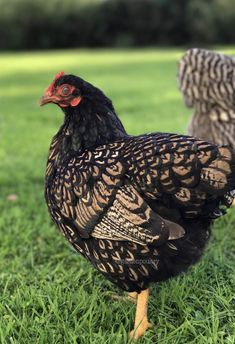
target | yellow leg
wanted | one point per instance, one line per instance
(132, 296)
(141, 321)
(233, 204)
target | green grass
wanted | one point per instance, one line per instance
(49, 294)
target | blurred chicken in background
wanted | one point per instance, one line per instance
(207, 83)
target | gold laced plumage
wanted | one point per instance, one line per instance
(139, 208)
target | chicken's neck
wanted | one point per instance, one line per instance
(86, 127)
(83, 129)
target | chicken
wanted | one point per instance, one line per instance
(139, 208)
(207, 83)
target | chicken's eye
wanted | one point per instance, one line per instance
(65, 90)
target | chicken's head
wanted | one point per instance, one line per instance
(68, 91)
(89, 114)
(64, 91)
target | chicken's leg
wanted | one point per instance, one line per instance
(141, 321)
(132, 296)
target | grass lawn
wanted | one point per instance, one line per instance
(49, 294)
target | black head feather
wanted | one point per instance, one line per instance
(93, 121)
(87, 91)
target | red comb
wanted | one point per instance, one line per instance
(57, 76)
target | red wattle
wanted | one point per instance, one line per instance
(75, 101)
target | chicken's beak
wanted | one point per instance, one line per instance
(46, 99)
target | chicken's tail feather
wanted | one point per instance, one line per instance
(218, 177)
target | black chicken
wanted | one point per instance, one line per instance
(139, 208)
